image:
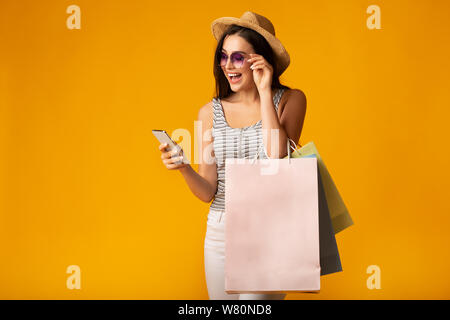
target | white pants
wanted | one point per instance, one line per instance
(215, 262)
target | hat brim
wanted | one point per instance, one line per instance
(219, 26)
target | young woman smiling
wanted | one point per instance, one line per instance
(250, 101)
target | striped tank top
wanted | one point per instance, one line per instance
(235, 143)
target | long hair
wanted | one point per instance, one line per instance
(259, 44)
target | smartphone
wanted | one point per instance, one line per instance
(163, 137)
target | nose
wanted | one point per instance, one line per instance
(229, 65)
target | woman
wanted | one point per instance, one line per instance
(249, 101)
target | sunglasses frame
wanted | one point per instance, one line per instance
(246, 56)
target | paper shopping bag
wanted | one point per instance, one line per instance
(330, 261)
(271, 226)
(340, 218)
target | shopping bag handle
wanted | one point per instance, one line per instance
(288, 146)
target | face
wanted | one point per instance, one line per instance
(236, 49)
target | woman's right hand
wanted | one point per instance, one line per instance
(168, 159)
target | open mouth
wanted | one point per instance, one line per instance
(235, 77)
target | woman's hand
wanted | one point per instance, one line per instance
(169, 160)
(262, 72)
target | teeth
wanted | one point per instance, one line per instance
(233, 74)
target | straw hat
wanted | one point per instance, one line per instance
(260, 24)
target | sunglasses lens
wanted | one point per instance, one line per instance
(223, 59)
(237, 60)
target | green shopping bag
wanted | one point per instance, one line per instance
(340, 218)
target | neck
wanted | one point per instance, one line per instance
(248, 96)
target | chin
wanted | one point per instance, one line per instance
(237, 87)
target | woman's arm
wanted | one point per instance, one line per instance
(289, 125)
(204, 183)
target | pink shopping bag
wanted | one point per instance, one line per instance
(272, 226)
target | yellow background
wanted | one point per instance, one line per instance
(82, 182)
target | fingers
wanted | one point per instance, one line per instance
(169, 159)
(255, 57)
(169, 154)
(175, 166)
(171, 165)
(162, 146)
(259, 65)
(172, 160)
(258, 62)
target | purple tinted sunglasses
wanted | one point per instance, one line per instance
(237, 59)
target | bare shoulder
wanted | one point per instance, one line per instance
(294, 97)
(205, 114)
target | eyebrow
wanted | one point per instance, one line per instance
(235, 51)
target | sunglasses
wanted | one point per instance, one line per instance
(237, 59)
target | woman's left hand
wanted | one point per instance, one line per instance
(262, 71)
